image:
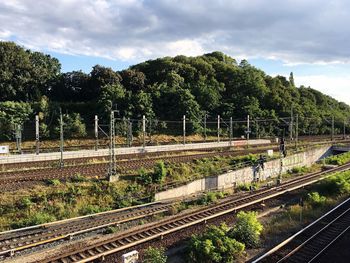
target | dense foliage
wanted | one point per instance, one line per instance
(164, 88)
(215, 245)
(247, 229)
(154, 255)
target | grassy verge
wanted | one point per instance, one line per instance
(315, 201)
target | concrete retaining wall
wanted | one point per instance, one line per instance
(246, 175)
(125, 150)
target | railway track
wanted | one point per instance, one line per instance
(104, 144)
(21, 239)
(126, 240)
(309, 244)
(10, 179)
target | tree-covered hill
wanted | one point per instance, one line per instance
(164, 88)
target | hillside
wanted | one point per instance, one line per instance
(165, 88)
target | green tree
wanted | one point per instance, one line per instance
(111, 94)
(247, 229)
(73, 126)
(215, 245)
(11, 114)
(154, 255)
(15, 69)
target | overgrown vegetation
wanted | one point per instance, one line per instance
(65, 200)
(154, 255)
(247, 229)
(214, 245)
(224, 244)
(339, 159)
(320, 198)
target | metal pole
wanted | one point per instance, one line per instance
(19, 138)
(296, 130)
(37, 134)
(184, 128)
(332, 128)
(205, 127)
(248, 129)
(130, 132)
(150, 130)
(96, 132)
(61, 139)
(218, 128)
(257, 129)
(291, 124)
(143, 130)
(112, 159)
(344, 131)
(230, 131)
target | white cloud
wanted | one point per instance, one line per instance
(139, 29)
(335, 86)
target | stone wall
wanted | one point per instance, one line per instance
(246, 175)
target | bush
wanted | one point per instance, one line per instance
(154, 255)
(215, 245)
(339, 159)
(336, 184)
(159, 173)
(36, 219)
(315, 199)
(144, 177)
(78, 178)
(111, 230)
(298, 170)
(53, 182)
(247, 229)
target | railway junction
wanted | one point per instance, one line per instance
(106, 236)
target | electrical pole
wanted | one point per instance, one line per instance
(344, 131)
(127, 132)
(130, 132)
(230, 131)
(150, 130)
(296, 130)
(332, 128)
(291, 124)
(143, 130)
(96, 132)
(61, 139)
(184, 128)
(19, 138)
(282, 154)
(218, 128)
(205, 127)
(112, 159)
(37, 134)
(248, 129)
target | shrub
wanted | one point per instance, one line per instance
(53, 182)
(339, 159)
(160, 172)
(36, 219)
(77, 178)
(111, 230)
(144, 177)
(215, 245)
(154, 255)
(315, 199)
(247, 229)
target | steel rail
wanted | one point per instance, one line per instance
(323, 231)
(150, 232)
(20, 239)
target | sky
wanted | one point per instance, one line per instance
(307, 37)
